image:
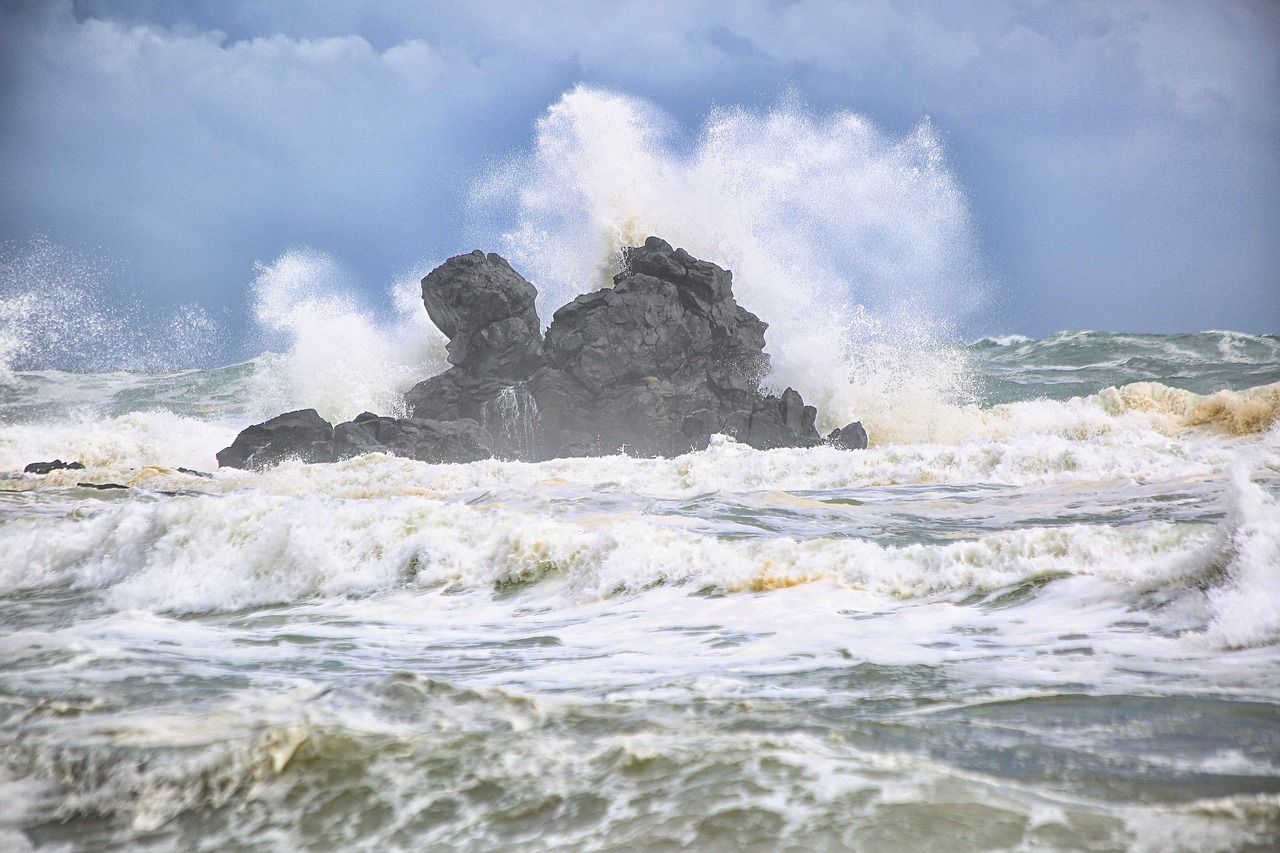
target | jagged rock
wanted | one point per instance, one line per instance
(300, 435)
(486, 309)
(55, 465)
(495, 340)
(655, 365)
(416, 438)
(659, 364)
(851, 437)
(782, 422)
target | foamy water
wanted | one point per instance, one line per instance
(1040, 612)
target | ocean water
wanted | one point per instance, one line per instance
(1041, 612)
(1057, 632)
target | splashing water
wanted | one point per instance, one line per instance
(854, 246)
(939, 645)
(57, 311)
(338, 357)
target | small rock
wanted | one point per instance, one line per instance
(55, 465)
(851, 437)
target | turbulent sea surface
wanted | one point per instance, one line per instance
(1041, 612)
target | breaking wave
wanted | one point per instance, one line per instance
(856, 247)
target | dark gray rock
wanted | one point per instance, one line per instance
(659, 364)
(300, 435)
(495, 339)
(305, 435)
(486, 309)
(655, 365)
(415, 438)
(851, 437)
(781, 422)
(55, 465)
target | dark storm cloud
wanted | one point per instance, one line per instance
(1122, 158)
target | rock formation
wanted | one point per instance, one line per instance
(655, 365)
(495, 340)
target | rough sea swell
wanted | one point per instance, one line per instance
(1040, 612)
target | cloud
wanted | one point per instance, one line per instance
(1123, 150)
(192, 154)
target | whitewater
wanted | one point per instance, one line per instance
(1040, 612)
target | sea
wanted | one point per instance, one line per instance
(1041, 612)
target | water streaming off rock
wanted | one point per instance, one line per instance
(512, 419)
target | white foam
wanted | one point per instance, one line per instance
(1246, 610)
(1004, 340)
(114, 447)
(1137, 412)
(1209, 825)
(248, 547)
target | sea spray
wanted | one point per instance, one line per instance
(856, 247)
(63, 309)
(1050, 627)
(338, 358)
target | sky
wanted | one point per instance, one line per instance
(1119, 161)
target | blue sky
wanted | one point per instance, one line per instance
(1120, 161)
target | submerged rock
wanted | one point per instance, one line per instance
(655, 365)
